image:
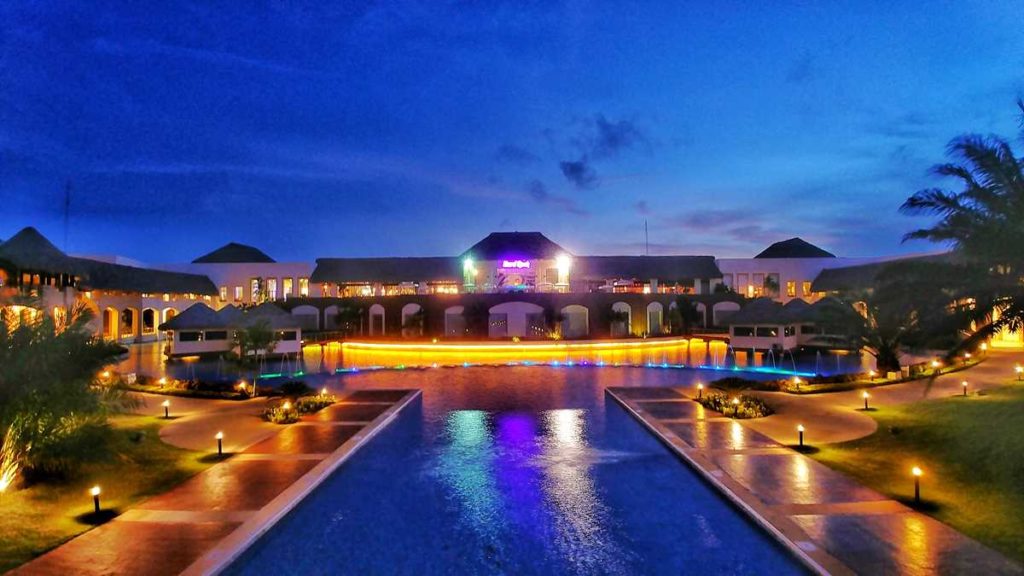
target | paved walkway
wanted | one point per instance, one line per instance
(838, 416)
(831, 522)
(204, 523)
(195, 421)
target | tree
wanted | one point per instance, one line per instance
(984, 222)
(683, 316)
(256, 339)
(349, 318)
(49, 396)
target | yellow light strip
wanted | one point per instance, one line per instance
(525, 346)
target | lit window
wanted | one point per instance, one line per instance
(807, 288)
(286, 287)
(272, 288)
(254, 290)
(224, 293)
(238, 293)
(304, 286)
(790, 288)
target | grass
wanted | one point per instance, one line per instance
(842, 385)
(972, 453)
(135, 465)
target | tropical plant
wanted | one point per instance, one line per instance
(256, 339)
(684, 316)
(984, 222)
(49, 397)
(350, 319)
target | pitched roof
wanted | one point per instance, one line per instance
(271, 314)
(31, 251)
(794, 248)
(768, 311)
(862, 277)
(196, 316)
(664, 268)
(199, 316)
(99, 275)
(233, 253)
(387, 270)
(525, 245)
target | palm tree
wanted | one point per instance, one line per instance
(984, 222)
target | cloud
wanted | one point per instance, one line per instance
(539, 192)
(642, 208)
(516, 155)
(580, 173)
(615, 137)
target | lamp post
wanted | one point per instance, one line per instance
(800, 431)
(323, 391)
(167, 408)
(220, 443)
(917, 483)
(872, 374)
(964, 384)
(796, 382)
(735, 407)
(866, 396)
(95, 491)
(1019, 370)
(700, 390)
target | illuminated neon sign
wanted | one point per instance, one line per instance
(515, 264)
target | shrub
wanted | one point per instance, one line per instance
(749, 407)
(277, 413)
(311, 404)
(737, 383)
(294, 388)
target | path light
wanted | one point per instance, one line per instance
(936, 364)
(967, 356)
(167, 408)
(242, 387)
(800, 431)
(984, 346)
(95, 491)
(323, 391)
(105, 374)
(964, 384)
(735, 407)
(286, 406)
(1019, 370)
(872, 374)
(162, 381)
(866, 396)
(917, 483)
(700, 390)
(220, 443)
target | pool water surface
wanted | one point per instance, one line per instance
(514, 470)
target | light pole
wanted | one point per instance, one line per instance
(800, 431)
(917, 483)
(964, 384)
(700, 390)
(866, 396)
(220, 443)
(95, 491)
(167, 409)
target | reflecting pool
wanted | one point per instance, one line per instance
(514, 470)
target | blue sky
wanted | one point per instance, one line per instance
(415, 128)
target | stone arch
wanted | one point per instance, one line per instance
(412, 319)
(330, 316)
(111, 324)
(702, 311)
(622, 328)
(516, 319)
(655, 318)
(129, 322)
(575, 321)
(722, 310)
(149, 321)
(378, 326)
(454, 321)
(308, 317)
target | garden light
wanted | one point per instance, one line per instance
(286, 406)
(984, 346)
(964, 384)
(323, 391)
(797, 381)
(700, 390)
(967, 356)
(872, 374)
(1019, 370)
(95, 491)
(220, 443)
(735, 407)
(866, 396)
(167, 408)
(162, 381)
(917, 483)
(800, 431)
(105, 374)
(936, 364)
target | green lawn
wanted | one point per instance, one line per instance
(136, 464)
(972, 453)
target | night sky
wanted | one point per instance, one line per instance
(415, 128)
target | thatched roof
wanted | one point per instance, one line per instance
(30, 251)
(767, 311)
(794, 248)
(862, 277)
(387, 270)
(106, 276)
(525, 245)
(199, 316)
(664, 268)
(232, 253)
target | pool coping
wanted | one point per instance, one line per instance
(818, 561)
(231, 548)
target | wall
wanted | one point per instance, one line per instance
(798, 270)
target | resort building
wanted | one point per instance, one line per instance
(201, 331)
(765, 324)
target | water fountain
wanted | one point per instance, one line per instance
(792, 358)
(770, 354)
(817, 361)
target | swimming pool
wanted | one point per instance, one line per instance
(514, 470)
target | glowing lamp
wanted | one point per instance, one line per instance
(323, 391)
(936, 364)
(917, 483)
(700, 390)
(984, 346)
(1019, 370)
(167, 408)
(866, 396)
(220, 443)
(95, 492)
(735, 407)
(105, 374)
(964, 384)
(162, 381)
(800, 431)
(286, 406)
(967, 355)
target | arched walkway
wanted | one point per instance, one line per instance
(655, 318)
(377, 321)
(575, 321)
(129, 323)
(622, 320)
(412, 320)
(516, 319)
(721, 311)
(149, 321)
(454, 322)
(111, 324)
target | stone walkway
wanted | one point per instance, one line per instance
(204, 523)
(832, 523)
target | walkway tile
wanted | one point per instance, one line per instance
(232, 485)
(344, 412)
(906, 543)
(720, 434)
(790, 478)
(131, 548)
(306, 438)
